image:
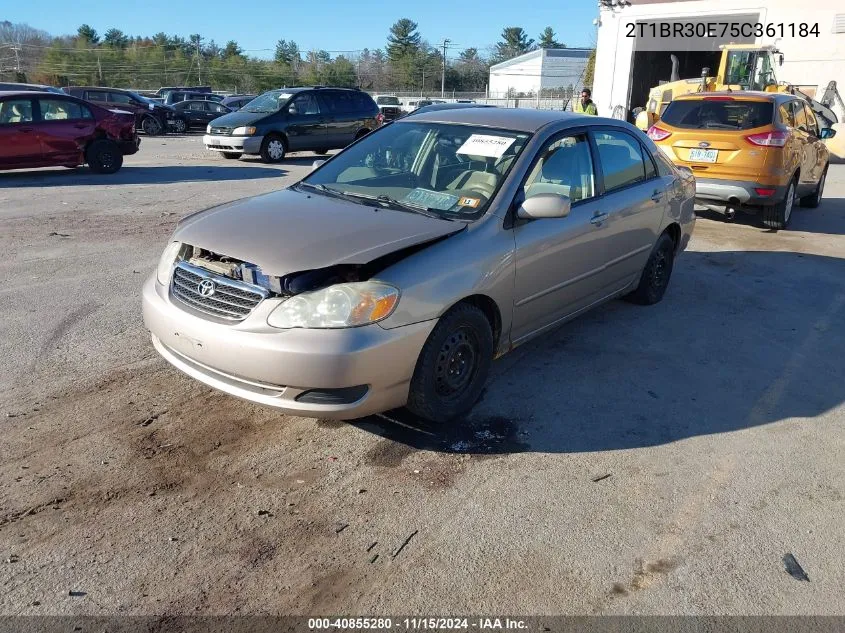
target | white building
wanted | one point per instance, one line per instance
(627, 66)
(547, 68)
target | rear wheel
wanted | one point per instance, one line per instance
(180, 126)
(656, 274)
(231, 155)
(815, 199)
(453, 365)
(151, 126)
(273, 149)
(104, 157)
(777, 216)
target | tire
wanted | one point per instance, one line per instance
(104, 157)
(453, 365)
(777, 216)
(180, 126)
(151, 126)
(656, 274)
(321, 152)
(815, 199)
(273, 149)
(231, 155)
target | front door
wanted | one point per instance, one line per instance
(63, 127)
(306, 123)
(560, 261)
(341, 122)
(20, 145)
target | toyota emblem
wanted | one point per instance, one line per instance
(206, 288)
(704, 144)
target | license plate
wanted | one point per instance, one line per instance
(703, 155)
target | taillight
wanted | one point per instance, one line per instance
(657, 133)
(764, 191)
(380, 118)
(768, 139)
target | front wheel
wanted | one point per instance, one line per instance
(151, 126)
(656, 274)
(180, 126)
(453, 365)
(273, 149)
(815, 199)
(104, 157)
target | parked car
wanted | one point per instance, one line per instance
(162, 92)
(295, 120)
(150, 117)
(196, 114)
(236, 102)
(43, 129)
(176, 96)
(754, 152)
(397, 270)
(438, 107)
(10, 86)
(389, 106)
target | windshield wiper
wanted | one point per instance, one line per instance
(406, 206)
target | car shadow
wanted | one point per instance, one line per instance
(298, 159)
(742, 339)
(827, 219)
(135, 175)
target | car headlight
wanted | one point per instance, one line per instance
(244, 131)
(165, 264)
(338, 306)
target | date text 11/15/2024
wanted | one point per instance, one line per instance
(416, 624)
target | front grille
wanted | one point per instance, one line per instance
(224, 131)
(230, 299)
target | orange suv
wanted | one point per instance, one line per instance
(750, 151)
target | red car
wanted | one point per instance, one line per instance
(40, 129)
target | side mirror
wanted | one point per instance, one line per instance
(827, 133)
(316, 164)
(544, 205)
(292, 110)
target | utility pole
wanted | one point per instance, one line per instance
(199, 63)
(443, 73)
(17, 49)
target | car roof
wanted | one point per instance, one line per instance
(739, 95)
(519, 119)
(31, 93)
(97, 88)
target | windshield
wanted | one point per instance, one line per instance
(388, 101)
(271, 101)
(698, 114)
(447, 170)
(752, 70)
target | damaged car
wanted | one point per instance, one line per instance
(399, 269)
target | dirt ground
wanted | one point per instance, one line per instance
(638, 460)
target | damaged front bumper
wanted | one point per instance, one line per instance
(332, 373)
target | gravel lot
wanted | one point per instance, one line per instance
(127, 488)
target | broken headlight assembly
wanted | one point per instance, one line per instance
(165, 264)
(339, 306)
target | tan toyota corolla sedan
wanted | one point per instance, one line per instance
(397, 270)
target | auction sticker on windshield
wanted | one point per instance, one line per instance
(431, 199)
(486, 145)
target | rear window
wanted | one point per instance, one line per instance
(697, 114)
(394, 101)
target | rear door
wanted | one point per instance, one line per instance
(64, 127)
(306, 123)
(635, 199)
(342, 119)
(821, 149)
(809, 136)
(20, 145)
(197, 112)
(560, 262)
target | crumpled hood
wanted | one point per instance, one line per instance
(289, 231)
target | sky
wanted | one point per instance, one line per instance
(333, 25)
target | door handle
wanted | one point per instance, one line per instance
(657, 196)
(598, 219)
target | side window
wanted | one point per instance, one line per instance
(364, 103)
(650, 168)
(621, 159)
(197, 106)
(96, 95)
(564, 168)
(306, 104)
(62, 110)
(799, 115)
(216, 107)
(119, 97)
(785, 114)
(812, 122)
(15, 111)
(664, 165)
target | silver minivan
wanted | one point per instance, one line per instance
(397, 270)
